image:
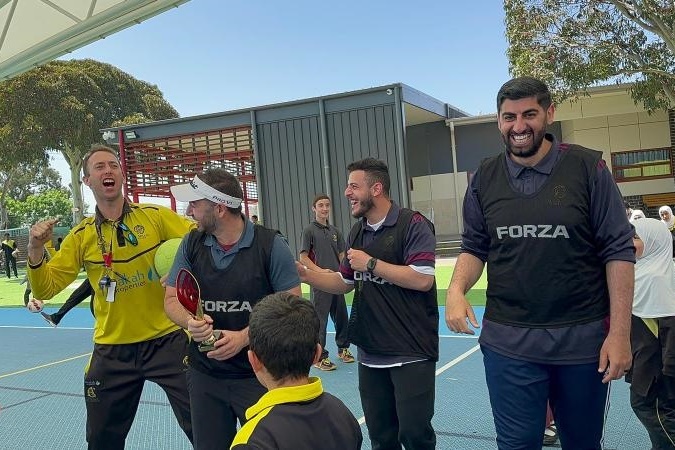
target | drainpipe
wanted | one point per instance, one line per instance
(256, 159)
(324, 154)
(400, 147)
(453, 146)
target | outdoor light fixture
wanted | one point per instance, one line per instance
(109, 135)
(130, 134)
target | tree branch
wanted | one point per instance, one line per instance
(658, 28)
(650, 70)
(624, 9)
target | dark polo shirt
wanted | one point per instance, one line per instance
(323, 245)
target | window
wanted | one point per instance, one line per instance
(641, 164)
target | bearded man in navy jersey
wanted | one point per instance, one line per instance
(550, 223)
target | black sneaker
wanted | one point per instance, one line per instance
(48, 319)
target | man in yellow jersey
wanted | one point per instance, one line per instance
(134, 340)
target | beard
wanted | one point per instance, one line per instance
(207, 224)
(364, 206)
(527, 152)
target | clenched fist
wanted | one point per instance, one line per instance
(39, 234)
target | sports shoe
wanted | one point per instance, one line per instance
(48, 319)
(550, 435)
(345, 355)
(326, 365)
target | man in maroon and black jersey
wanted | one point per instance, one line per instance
(390, 262)
(550, 222)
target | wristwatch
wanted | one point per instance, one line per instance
(370, 265)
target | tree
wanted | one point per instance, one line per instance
(31, 179)
(574, 44)
(19, 180)
(49, 204)
(62, 105)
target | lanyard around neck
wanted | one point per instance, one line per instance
(106, 255)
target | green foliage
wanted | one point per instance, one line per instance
(22, 179)
(62, 105)
(575, 44)
(48, 204)
(30, 179)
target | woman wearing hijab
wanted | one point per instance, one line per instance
(666, 215)
(652, 377)
(636, 214)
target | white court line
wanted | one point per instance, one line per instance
(460, 358)
(44, 365)
(459, 336)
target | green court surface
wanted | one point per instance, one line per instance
(11, 290)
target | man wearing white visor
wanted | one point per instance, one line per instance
(235, 264)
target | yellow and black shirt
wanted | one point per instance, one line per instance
(137, 312)
(299, 418)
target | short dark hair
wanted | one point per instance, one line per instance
(376, 172)
(225, 182)
(320, 197)
(626, 205)
(283, 331)
(524, 87)
(95, 148)
(6, 234)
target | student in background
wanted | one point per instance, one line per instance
(652, 377)
(10, 250)
(322, 250)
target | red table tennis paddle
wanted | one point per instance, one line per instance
(187, 291)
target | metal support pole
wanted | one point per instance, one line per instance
(256, 164)
(325, 160)
(400, 148)
(453, 147)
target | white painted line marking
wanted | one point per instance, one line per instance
(45, 365)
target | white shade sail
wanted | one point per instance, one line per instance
(37, 31)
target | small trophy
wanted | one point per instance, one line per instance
(187, 291)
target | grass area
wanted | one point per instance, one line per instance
(11, 290)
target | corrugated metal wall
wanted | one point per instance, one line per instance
(292, 147)
(290, 171)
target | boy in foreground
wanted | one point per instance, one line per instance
(295, 413)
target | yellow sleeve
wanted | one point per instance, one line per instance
(51, 277)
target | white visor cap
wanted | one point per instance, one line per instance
(196, 189)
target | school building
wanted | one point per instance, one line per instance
(284, 154)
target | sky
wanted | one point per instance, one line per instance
(209, 56)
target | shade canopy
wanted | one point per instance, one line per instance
(37, 31)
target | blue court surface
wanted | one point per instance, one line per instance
(41, 404)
